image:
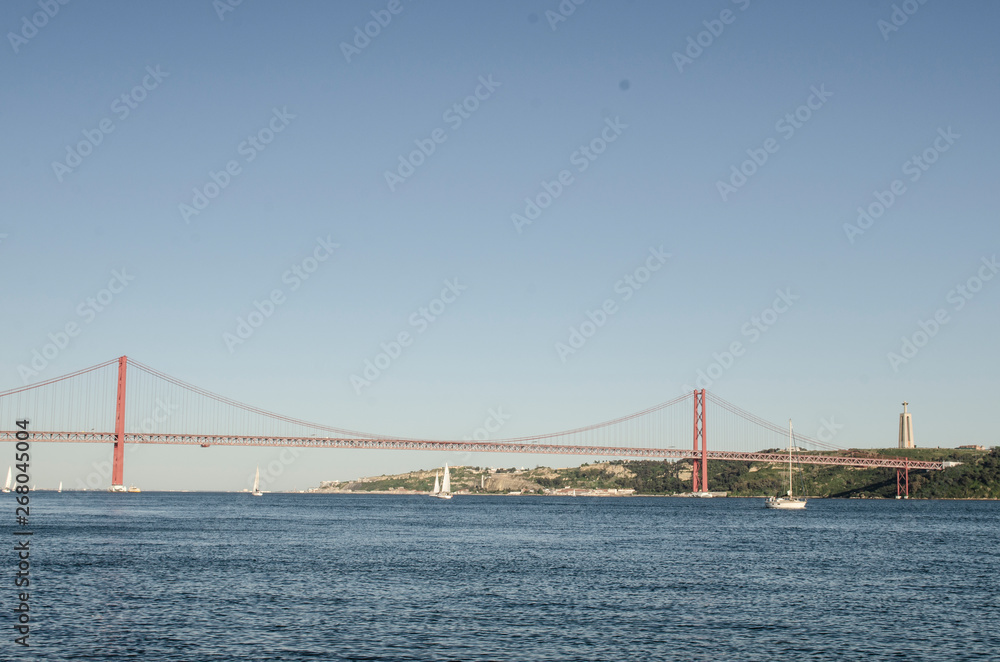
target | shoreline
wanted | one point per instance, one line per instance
(628, 496)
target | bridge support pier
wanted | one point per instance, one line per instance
(903, 481)
(700, 464)
(118, 465)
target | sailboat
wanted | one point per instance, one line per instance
(60, 487)
(256, 484)
(6, 486)
(789, 502)
(445, 491)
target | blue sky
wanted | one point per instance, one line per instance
(553, 86)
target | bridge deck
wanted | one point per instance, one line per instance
(497, 446)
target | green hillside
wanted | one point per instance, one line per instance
(978, 477)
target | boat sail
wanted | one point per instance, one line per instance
(256, 484)
(437, 485)
(6, 486)
(445, 491)
(60, 487)
(789, 502)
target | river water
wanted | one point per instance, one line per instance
(175, 576)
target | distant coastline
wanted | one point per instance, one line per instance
(975, 476)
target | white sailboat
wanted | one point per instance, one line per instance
(445, 491)
(60, 487)
(789, 502)
(6, 486)
(256, 484)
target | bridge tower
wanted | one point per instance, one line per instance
(700, 432)
(903, 480)
(118, 465)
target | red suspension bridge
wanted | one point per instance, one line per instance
(109, 403)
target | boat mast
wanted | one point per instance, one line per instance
(789, 457)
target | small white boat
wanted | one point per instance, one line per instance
(445, 489)
(6, 486)
(787, 502)
(256, 484)
(60, 487)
